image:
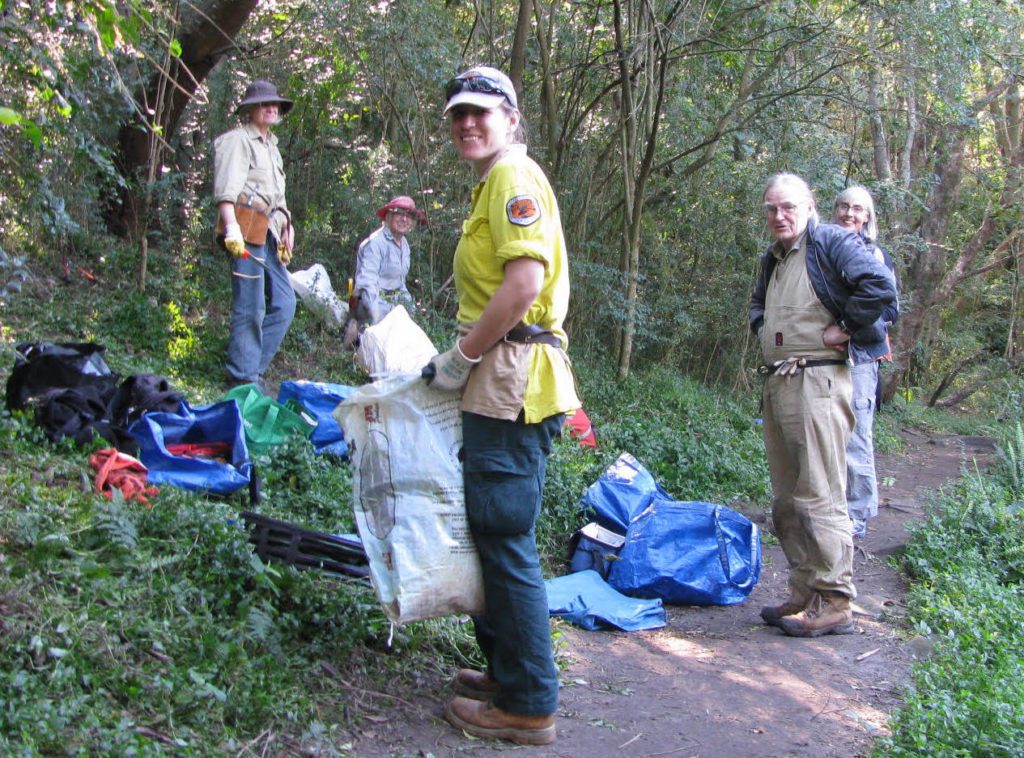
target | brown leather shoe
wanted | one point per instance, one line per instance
(474, 684)
(772, 614)
(484, 719)
(826, 613)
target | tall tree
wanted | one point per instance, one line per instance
(193, 37)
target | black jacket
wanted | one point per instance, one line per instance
(852, 285)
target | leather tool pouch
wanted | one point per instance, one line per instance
(252, 216)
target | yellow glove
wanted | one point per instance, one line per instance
(284, 255)
(233, 241)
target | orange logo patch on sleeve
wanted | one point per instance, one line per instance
(523, 210)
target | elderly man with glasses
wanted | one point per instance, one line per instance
(816, 308)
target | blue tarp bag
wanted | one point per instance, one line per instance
(207, 424)
(319, 399)
(689, 553)
(594, 547)
(621, 494)
(585, 599)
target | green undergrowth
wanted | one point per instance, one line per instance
(966, 561)
(133, 630)
(902, 413)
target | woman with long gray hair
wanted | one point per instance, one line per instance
(854, 209)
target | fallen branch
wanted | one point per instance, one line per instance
(866, 655)
(631, 740)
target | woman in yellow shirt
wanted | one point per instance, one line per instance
(512, 278)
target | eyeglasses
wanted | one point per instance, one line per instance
(845, 207)
(401, 214)
(786, 209)
(474, 83)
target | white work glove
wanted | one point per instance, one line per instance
(233, 241)
(449, 370)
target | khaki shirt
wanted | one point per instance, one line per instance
(794, 318)
(246, 162)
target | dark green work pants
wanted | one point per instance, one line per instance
(503, 467)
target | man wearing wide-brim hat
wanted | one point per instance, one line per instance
(382, 261)
(254, 226)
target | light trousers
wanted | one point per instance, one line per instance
(808, 419)
(861, 484)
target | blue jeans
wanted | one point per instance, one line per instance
(504, 463)
(262, 310)
(861, 484)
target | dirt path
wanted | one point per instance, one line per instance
(716, 681)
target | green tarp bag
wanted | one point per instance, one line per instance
(268, 423)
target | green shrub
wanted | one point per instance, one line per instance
(968, 563)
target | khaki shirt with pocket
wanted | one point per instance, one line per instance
(245, 162)
(794, 318)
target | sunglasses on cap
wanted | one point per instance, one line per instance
(475, 83)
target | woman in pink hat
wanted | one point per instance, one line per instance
(382, 261)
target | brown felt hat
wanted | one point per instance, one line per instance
(261, 91)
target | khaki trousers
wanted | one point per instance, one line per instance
(808, 419)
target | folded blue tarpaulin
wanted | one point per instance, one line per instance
(585, 599)
(689, 553)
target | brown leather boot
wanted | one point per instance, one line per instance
(826, 613)
(772, 614)
(484, 719)
(474, 684)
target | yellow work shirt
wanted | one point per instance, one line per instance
(515, 215)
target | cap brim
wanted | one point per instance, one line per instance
(479, 99)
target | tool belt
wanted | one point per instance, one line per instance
(529, 334)
(253, 216)
(793, 366)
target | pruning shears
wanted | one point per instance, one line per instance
(260, 261)
(247, 254)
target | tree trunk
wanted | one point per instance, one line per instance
(925, 272)
(929, 282)
(518, 63)
(879, 143)
(643, 53)
(907, 159)
(206, 34)
(549, 106)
